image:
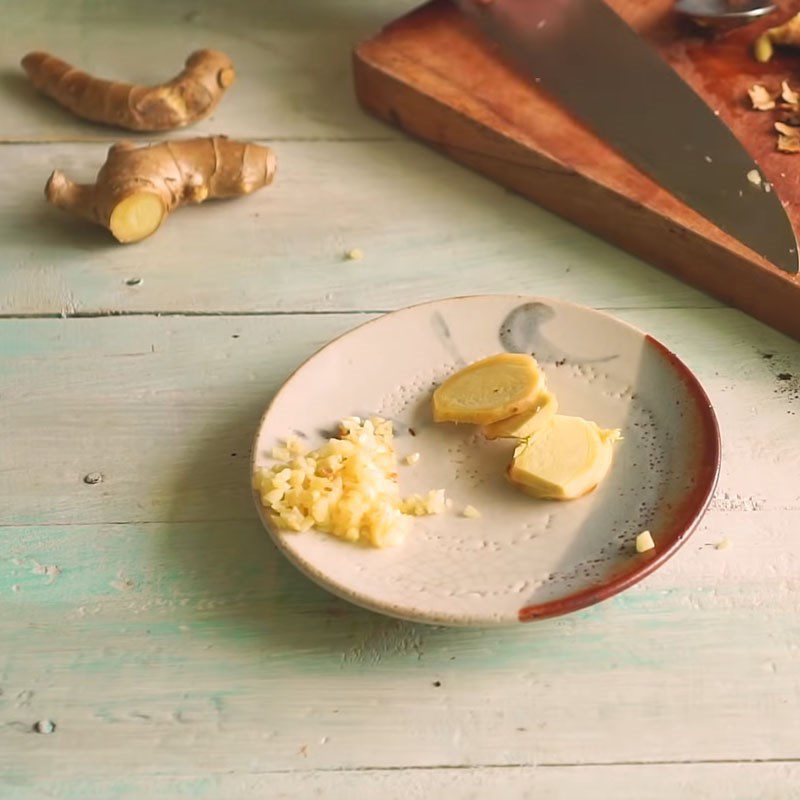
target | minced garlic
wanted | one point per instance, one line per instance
(348, 487)
(470, 512)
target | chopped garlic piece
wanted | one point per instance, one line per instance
(417, 505)
(470, 512)
(412, 458)
(644, 542)
(354, 254)
(347, 488)
(754, 176)
(761, 99)
(295, 446)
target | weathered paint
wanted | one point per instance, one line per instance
(174, 651)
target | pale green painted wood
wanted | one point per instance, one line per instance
(176, 652)
(428, 228)
(292, 59)
(634, 782)
(654, 782)
(167, 647)
(265, 662)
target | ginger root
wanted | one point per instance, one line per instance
(787, 34)
(138, 187)
(188, 97)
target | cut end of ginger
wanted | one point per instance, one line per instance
(565, 460)
(490, 390)
(136, 217)
(347, 488)
(521, 426)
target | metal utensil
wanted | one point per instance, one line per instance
(724, 13)
(587, 57)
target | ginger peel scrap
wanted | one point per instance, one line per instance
(188, 97)
(138, 187)
(789, 95)
(788, 138)
(761, 98)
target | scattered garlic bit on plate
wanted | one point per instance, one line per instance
(354, 254)
(754, 176)
(760, 97)
(412, 459)
(418, 505)
(644, 542)
(347, 488)
(722, 544)
(470, 512)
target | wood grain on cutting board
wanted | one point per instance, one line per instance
(433, 74)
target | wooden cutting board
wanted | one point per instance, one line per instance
(432, 74)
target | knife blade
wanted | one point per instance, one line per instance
(588, 58)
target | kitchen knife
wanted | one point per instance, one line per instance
(584, 55)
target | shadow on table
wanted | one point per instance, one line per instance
(232, 583)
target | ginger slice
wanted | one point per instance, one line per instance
(521, 426)
(191, 95)
(138, 187)
(565, 460)
(489, 390)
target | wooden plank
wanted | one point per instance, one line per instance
(435, 76)
(428, 228)
(239, 663)
(292, 61)
(166, 582)
(161, 405)
(624, 782)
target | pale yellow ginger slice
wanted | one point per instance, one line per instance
(565, 460)
(489, 390)
(760, 97)
(521, 426)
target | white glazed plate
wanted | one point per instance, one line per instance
(523, 559)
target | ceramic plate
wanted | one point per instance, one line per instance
(524, 559)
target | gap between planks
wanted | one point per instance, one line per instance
(144, 140)
(556, 765)
(294, 313)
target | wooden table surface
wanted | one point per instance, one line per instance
(147, 618)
